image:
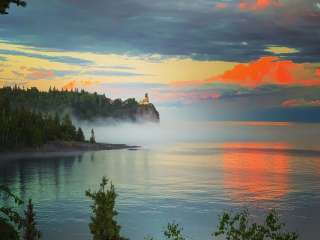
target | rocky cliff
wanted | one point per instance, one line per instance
(147, 113)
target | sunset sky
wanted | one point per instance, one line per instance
(225, 60)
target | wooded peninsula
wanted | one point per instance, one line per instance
(31, 118)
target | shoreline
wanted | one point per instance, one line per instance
(61, 147)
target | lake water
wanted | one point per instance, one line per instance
(188, 173)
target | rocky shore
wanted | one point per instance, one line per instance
(66, 146)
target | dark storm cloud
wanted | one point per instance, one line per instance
(182, 27)
(60, 59)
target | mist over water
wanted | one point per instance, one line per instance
(176, 127)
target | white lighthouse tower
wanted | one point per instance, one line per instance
(145, 100)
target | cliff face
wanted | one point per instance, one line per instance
(147, 113)
(138, 113)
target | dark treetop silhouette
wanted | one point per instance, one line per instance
(5, 4)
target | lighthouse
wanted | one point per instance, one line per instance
(145, 100)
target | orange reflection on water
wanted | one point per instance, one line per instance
(255, 171)
(261, 124)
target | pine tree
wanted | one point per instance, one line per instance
(103, 226)
(30, 229)
(80, 135)
(92, 138)
(69, 131)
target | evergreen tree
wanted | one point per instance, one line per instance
(30, 229)
(4, 104)
(92, 138)
(103, 226)
(68, 129)
(80, 135)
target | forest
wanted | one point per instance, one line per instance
(20, 127)
(78, 103)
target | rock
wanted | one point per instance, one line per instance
(147, 113)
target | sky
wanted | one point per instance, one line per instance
(210, 59)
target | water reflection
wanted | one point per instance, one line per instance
(191, 183)
(37, 177)
(254, 172)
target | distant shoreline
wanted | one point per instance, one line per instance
(68, 147)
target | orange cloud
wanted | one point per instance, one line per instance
(70, 85)
(37, 73)
(87, 83)
(250, 5)
(257, 5)
(269, 70)
(73, 84)
(300, 103)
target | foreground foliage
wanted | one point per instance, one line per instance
(5, 4)
(238, 226)
(30, 230)
(103, 225)
(10, 220)
(174, 232)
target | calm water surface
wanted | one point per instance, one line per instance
(255, 166)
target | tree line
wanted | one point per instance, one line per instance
(104, 226)
(21, 127)
(79, 103)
